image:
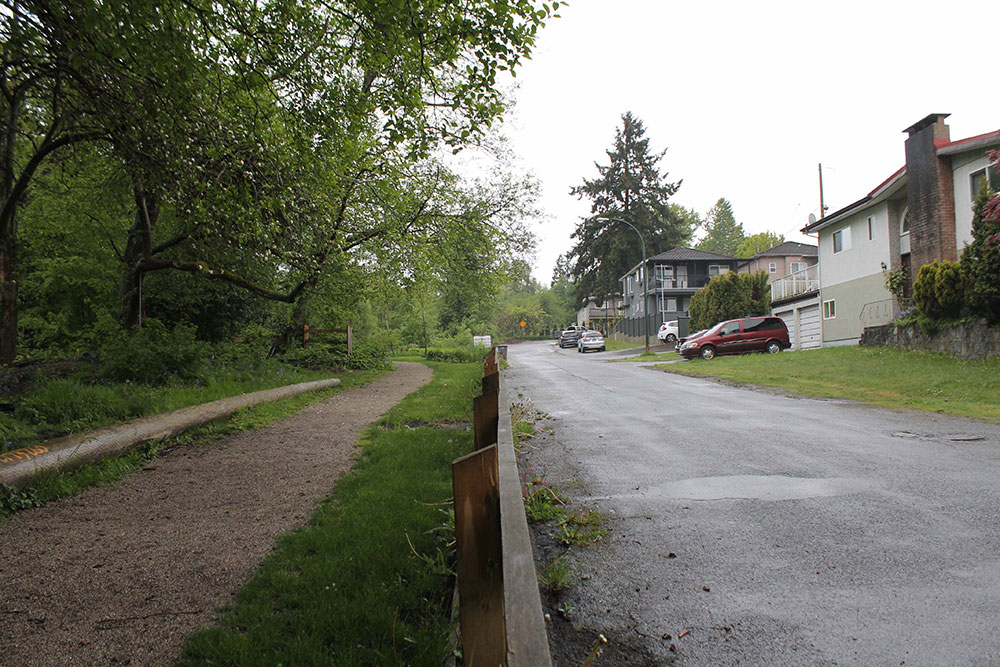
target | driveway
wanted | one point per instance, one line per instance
(752, 528)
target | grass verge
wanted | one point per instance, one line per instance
(368, 580)
(887, 377)
(51, 487)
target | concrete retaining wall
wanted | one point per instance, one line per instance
(970, 341)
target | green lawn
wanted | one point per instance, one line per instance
(879, 376)
(368, 580)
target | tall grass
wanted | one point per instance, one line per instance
(889, 377)
(367, 581)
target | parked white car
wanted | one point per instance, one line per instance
(592, 340)
(668, 332)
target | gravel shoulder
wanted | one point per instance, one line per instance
(121, 574)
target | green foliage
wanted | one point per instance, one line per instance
(723, 234)
(632, 188)
(981, 259)
(154, 355)
(925, 291)
(728, 296)
(949, 289)
(541, 502)
(462, 355)
(557, 575)
(896, 281)
(581, 528)
(757, 243)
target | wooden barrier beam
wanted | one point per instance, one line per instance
(475, 482)
(491, 383)
(485, 417)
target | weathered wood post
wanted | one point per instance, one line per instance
(475, 482)
(305, 335)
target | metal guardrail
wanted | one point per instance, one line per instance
(802, 281)
(500, 608)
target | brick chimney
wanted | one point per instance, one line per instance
(930, 193)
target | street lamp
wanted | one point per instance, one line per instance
(645, 276)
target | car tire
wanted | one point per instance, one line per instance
(601, 350)
(671, 338)
(708, 353)
(773, 347)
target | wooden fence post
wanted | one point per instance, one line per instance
(350, 340)
(491, 383)
(485, 419)
(305, 335)
(475, 483)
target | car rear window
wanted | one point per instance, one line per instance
(755, 324)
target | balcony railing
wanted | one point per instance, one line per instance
(802, 281)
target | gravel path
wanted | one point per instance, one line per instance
(120, 574)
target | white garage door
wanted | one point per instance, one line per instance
(788, 317)
(810, 334)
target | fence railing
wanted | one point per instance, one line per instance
(878, 312)
(306, 332)
(500, 608)
(802, 281)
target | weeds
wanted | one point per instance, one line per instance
(557, 575)
(581, 528)
(541, 502)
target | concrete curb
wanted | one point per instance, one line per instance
(20, 466)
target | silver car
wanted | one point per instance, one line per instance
(591, 340)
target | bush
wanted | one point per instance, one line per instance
(981, 260)
(925, 292)
(154, 354)
(948, 289)
(456, 354)
(729, 296)
(365, 356)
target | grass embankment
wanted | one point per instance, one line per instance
(59, 406)
(879, 376)
(159, 399)
(368, 580)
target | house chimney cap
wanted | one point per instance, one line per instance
(932, 119)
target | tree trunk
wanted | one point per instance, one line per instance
(136, 250)
(292, 333)
(8, 300)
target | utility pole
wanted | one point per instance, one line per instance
(822, 205)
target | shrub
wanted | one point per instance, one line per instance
(925, 292)
(365, 356)
(154, 354)
(729, 296)
(948, 289)
(981, 259)
(456, 354)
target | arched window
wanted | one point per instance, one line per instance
(904, 224)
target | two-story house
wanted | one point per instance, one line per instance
(793, 275)
(600, 314)
(674, 276)
(921, 213)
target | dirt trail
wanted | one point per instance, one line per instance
(119, 575)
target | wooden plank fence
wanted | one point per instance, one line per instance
(500, 608)
(306, 332)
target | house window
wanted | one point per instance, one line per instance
(717, 270)
(871, 228)
(904, 224)
(798, 266)
(829, 309)
(990, 176)
(772, 267)
(671, 305)
(842, 240)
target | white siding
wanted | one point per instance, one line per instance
(962, 168)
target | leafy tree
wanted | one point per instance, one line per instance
(728, 296)
(980, 260)
(723, 234)
(756, 243)
(630, 187)
(260, 144)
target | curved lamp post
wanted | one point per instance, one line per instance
(645, 276)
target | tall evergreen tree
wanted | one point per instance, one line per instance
(724, 234)
(630, 187)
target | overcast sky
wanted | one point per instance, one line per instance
(748, 98)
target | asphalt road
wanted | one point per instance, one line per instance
(776, 530)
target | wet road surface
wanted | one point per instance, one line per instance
(775, 530)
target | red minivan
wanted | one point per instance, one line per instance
(748, 334)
